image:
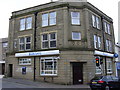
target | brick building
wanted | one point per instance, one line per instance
(3, 51)
(58, 42)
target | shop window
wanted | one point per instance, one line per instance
(48, 66)
(24, 61)
(109, 66)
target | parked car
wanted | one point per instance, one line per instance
(105, 82)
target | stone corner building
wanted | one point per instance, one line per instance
(58, 42)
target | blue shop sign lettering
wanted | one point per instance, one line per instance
(34, 53)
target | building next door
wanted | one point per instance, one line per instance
(77, 69)
(10, 70)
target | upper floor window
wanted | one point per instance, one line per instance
(108, 45)
(48, 19)
(25, 23)
(49, 40)
(96, 21)
(107, 27)
(97, 42)
(24, 43)
(76, 36)
(75, 18)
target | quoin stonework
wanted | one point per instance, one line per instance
(59, 42)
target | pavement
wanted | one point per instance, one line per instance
(23, 83)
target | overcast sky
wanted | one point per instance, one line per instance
(109, 7)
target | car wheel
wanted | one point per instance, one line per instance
(107, 88)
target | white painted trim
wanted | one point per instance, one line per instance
(2, 61)
(40, 53)
(103, 53)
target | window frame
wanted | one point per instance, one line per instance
(24, 43)
(79, 35)
(95, 41)
(109, 69)
(49, 18)
(54, 72)
(48, 40)
(75, 18)
(25, 24)
(96, 21)
(21, 61)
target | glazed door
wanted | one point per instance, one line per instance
(77, 73)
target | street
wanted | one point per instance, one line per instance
(12, 83)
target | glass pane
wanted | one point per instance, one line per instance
(76, 36)
(27, 46)
(52, 21)
(28, 39)
(29, 23)
(22, 40)
(53, 15)
(52, 43)
(22, 24)
(45, 44)
(75, 14)
(44, 22)
(75, 21)
(22, 47)
(52, 36)
(45, 37)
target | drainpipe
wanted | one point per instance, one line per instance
(104, 44)
(35, 27)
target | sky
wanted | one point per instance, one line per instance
(109, 7)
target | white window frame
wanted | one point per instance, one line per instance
(107, 27)
(22, 24)
(99, 42)
(27, 43)
(95, 21)
(107, 45)
(24, 61)
(75, 18)
(95, 41)
(25, 23)
(28, 22)
(43, 41)
(48, 19)
(109, 66)
(49, 40)
(52, 18)
(79, 36)
(53, 71)
(24, 43)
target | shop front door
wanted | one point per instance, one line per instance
(77, 69)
